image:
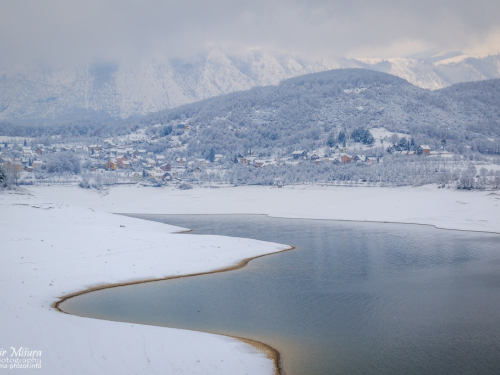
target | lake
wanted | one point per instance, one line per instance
(352, 298)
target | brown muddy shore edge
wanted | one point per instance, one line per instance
(268, 350)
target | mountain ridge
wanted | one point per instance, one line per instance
(114, 91)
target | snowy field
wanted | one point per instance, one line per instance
(384, 134)
(443, 208)
(58, 240)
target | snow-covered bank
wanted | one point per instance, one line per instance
(50, 250)
(443, 208)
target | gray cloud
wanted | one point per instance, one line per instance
(62, 32)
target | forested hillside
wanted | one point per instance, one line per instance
(304, 112)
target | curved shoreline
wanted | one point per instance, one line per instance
(268, 350)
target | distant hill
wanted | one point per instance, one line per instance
(102, 91)
(302, 112)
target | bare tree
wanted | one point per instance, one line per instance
(13, 172)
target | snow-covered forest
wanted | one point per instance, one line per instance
(301, 112)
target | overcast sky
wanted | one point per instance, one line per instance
(65, 32)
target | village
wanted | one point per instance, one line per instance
(130, 162)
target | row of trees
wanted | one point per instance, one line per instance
(396, 170)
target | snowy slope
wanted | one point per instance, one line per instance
(124, 91)
(438, 72)
(121, 91)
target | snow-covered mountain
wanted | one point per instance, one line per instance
(123, 91)
(436, 72)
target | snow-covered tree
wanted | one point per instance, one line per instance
(332, 140)
(3, 177)
(63, 162)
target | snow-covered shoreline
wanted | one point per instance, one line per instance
(428, 205)
(60, 240)
(50, 250)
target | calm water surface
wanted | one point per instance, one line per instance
(352, 298)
